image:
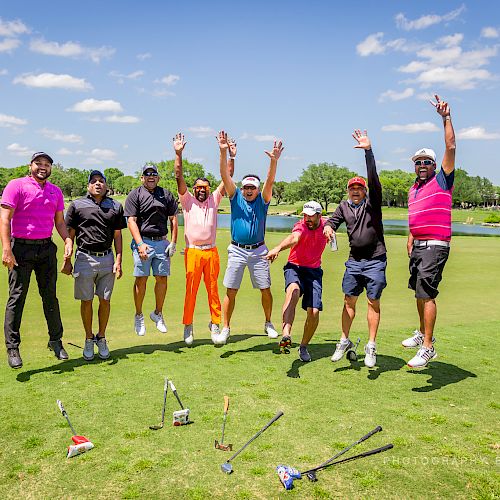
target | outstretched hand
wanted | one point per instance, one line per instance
(441, 106)
(222, 140)
(276, 151)
(362, 139)
(179, 143)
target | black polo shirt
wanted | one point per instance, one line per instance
(95, 223)
(151, 209)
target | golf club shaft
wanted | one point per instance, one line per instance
(65, 415)
(165, 390)
(226, 408)
(174, 390)
(347, 448)
(271, 422)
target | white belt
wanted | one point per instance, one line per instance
(202, 247)
(430, 243)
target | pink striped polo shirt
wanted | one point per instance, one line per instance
(429, 208)
(34, 205)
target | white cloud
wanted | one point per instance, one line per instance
(412, 128)
(371, 45)
(13, 28)
(398, 151)
(122, 77)
(3, 72)
(393, 95)
(121, 119)
(169, 80)
(52, 81)
(162, 93)
(9, 44)
(202, 131)
(91, 160)
(95, 105)
(427, 20)
(64, 152)
(70, 49)
(9, 121)
(59, 136)
(477, 133)
(18, 150)
(453, 78)
(489, 32)
(264, 138)
(103, 154)
(144, 56)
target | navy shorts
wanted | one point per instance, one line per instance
(365, 273)
(310, 281)
(426, 270)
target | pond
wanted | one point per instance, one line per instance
(283, 223)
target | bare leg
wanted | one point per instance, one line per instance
(420, 309)
(430, 313)
(228, 305)
(86, 313)
(139, 293)
(373, 317)
(348, 314)
(291, 299)
(310, 325)
(103, 315)
(160, 292)
(267, 303)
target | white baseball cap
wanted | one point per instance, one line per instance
(312, 208)
(250, 180)
(424, 153)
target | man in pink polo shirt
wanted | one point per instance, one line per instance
(201, 256)
(31, 206)
(303, 275)
(429, 216)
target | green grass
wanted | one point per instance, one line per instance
(443, 420)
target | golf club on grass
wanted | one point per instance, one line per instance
(221, 445)
(81, 443)
(227, 466)
(180, 417)
(352, 354)
(165, 390)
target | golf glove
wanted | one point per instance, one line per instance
(172, 247)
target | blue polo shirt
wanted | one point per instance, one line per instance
(248, 219)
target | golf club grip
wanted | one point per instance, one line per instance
(61, 407)
(271, 422)
(370, 434)
(226, 404)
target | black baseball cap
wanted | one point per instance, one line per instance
(96, 172)
(149, 167)
(40, 154)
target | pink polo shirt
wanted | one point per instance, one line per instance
(34, 207)
(200, 219)
(307, 252)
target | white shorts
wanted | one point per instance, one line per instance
(259, 268)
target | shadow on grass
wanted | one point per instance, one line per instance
(442, 374)
(384, 364)
(119, 354)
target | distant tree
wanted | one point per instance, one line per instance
(125, 184)
(395, 186)
(279, 188)
(111, 175)
(467, 189)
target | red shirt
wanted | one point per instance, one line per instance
(307, 252)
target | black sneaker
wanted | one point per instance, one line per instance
(57, 347)
(14, 358)
(285, 344)
(304, 354)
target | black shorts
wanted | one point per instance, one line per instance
(426, 270)
(310, 281)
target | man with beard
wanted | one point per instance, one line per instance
(248, 225)
(148, 209)
(31, 207)
(96, 221)
(200, 229)
(303, 275)
(429, 217)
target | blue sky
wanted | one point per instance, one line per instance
(107, 84)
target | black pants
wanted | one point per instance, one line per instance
(42, 259)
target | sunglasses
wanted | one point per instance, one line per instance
(423, 162)
(150, 174)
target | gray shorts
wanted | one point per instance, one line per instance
(239, 258)
(93, 276)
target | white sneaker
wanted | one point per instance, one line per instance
(102, 347)
(214, 332)
(88, 350)
(223, 336)
(341, 349)
(140, 326)
(370, 355)
(416, 341)
(188, 334)
(270, 330)
(159, 321)
(423, 356)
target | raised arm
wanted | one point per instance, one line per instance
(274, 155)
(227, 180)
(179, 144)
(291, 240)
(363, 142)
(449, 135)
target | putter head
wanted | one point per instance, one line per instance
(156, 427)
(226, 467)
(312, 477)
(223, 447)
(77, 449)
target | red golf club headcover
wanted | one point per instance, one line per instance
(79, 439)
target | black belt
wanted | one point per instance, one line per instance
(154, 238)
(95, 254)
(247, 247)
(43, 241)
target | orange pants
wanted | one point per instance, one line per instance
(200, 262)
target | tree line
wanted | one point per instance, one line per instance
(324, 182)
